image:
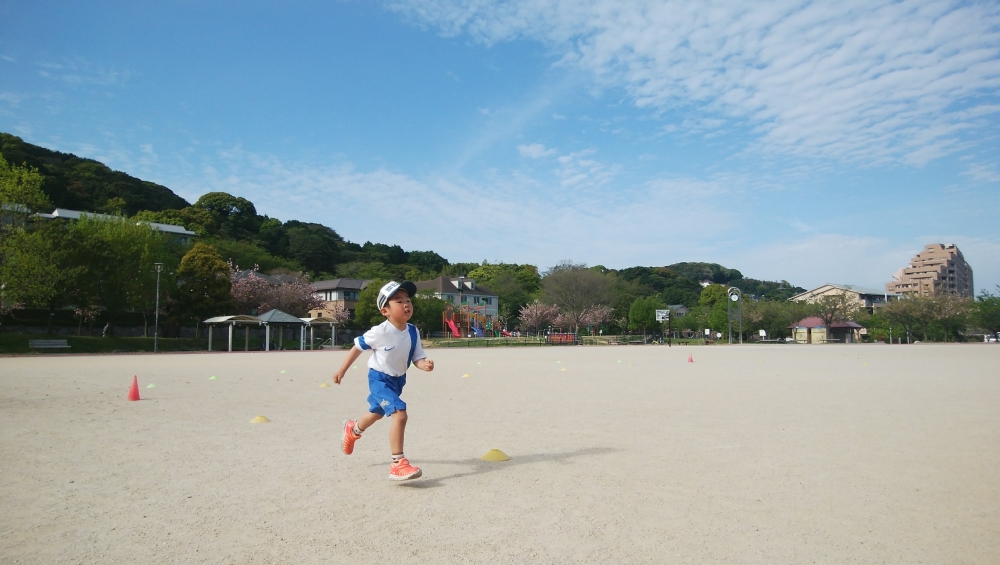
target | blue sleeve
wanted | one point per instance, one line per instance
(368, 341)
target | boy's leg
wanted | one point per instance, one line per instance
(367, 420)
(400, 470)
(396, 432)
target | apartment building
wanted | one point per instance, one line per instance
(939, 269)
(462, 291)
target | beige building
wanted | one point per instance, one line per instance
(337, 293)
(812, 330)
(867, 298)
(939, 268)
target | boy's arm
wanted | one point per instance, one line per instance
(352, 356)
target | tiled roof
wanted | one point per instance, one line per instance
(817, 322)
(341, 284)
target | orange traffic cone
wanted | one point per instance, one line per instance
(133, 393)
(690, 358)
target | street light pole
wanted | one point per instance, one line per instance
(156, 316)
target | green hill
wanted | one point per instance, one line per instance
(85, 184)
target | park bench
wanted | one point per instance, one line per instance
(48, 344)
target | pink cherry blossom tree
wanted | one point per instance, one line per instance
(536, 315)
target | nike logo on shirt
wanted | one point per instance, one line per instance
(389, 348)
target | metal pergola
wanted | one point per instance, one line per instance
(232, 322)
(312, 323)
(278, 319)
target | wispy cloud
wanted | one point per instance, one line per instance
(534, 151)
(866, 81)
(79, 71)
(513, 217)
(979, 172)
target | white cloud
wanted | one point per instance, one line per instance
(859, 80)
(513, 217)
(981, 173)
(77, 71)
(534, 151)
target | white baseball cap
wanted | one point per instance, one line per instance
(390, 288)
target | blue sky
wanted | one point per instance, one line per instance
(807, 141)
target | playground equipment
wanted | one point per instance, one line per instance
(467, 321)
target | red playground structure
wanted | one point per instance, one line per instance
(467, 321)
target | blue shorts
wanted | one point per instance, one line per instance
(384, 391)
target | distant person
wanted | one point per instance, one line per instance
(104, 332)
(394, 344)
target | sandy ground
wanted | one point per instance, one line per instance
(753, 454)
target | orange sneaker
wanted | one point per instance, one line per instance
(402, 470)
(349, 437)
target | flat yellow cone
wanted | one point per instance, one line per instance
(495, 455)
(324, 385)
(260, 420)
(213, 378)
(465, 376)
(563, 369)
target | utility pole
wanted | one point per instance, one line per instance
(156, 316)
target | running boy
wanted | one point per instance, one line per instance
(394, 344)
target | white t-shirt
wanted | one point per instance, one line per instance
(391, 348)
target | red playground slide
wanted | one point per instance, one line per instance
(454, 330)
(505, 333)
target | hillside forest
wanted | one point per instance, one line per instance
(105, 271)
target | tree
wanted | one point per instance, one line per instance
(597, 315)
(236, 217)
(427, 312)
(198, 220)
(203, 287)
(902, 313)
(642, 313)
(366, 311)
(712, 294)
(314, 246)
(514, 285)
(953, 315)
(20, 193)
(833, 308)
(27, 270)
(295, 297)
(574, 288)
(536, 315)
(116, 257)
(248, 289)
(987, 311)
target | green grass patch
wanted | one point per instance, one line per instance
(11, 344)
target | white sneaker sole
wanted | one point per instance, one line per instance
(407, 477)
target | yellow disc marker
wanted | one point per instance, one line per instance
(213, 378)
(465, 376)
(563, 369)
(324, 385)
(260, 420)
(495, 455)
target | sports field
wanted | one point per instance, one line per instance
(750, 454)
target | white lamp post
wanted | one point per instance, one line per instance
(156, 315)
